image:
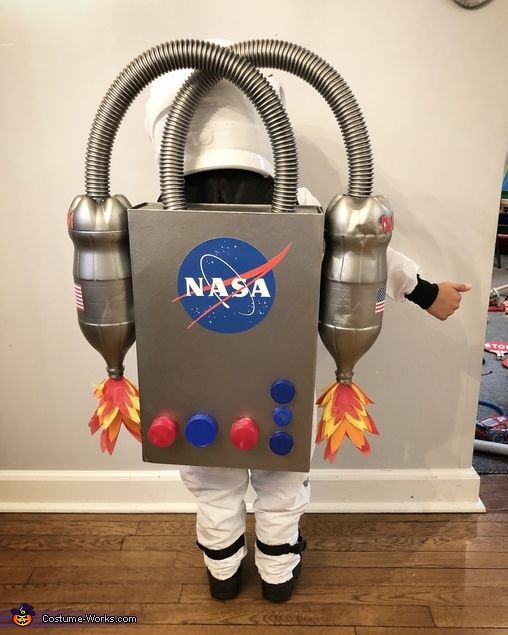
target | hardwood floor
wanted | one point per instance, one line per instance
(371, 574)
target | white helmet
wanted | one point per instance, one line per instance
(226, 131)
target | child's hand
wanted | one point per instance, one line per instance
(448, 299)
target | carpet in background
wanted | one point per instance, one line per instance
(494, 381)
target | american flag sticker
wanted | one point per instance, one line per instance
(380, 300)
(78, 296)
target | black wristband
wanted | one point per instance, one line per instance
(424, 293)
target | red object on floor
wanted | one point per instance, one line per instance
(494, 347)
(493, 429)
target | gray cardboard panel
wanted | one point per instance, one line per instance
(187, 369)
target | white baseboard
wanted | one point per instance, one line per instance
(334, 491)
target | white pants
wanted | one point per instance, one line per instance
(281, 498)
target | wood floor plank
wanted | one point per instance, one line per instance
(331, 528)
(87, 558)
(495, 495)
(364, 595)
(191, 518)
(477, 616)
(62, 543)
(493, 478)
(57, 527)
(257, 613)
(92, 516)
(245, 611)
(494, 492)
(63, 593)
(14, 574)
(118, 574)
(497, 504)
(416, 529)
(381, 559)
(437, 543)
(171, 629)
(458, 560)
(165, 528)
(410, 577)
(313, 576)
(161, 543)
(494, 487)
(386, 542)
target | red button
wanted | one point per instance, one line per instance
(244, 433)
(163, 432)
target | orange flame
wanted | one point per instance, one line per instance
(344, 414)
(119, 403)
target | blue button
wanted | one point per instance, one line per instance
(282, 391)
(281, 443)
(201, 430)
(282, 416)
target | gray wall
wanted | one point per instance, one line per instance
(429, 78)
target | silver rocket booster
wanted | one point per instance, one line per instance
(353, 278)
(102, 276)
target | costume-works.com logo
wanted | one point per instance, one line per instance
(226, 285)
(23, 614)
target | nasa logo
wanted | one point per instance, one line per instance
(226, 285)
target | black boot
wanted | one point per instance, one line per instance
(224, 589)
(283, 591)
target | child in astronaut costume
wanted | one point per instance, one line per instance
(228, 160)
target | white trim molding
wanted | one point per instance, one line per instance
(333, 491)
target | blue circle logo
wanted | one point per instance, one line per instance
(226, 285)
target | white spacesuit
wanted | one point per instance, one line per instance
(227, 152)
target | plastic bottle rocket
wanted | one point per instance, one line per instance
(103, 294)
(353, 288)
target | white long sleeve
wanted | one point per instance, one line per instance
(401, 275)
(402, 270)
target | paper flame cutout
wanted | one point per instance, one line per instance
(344, 414)
(119, 403)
